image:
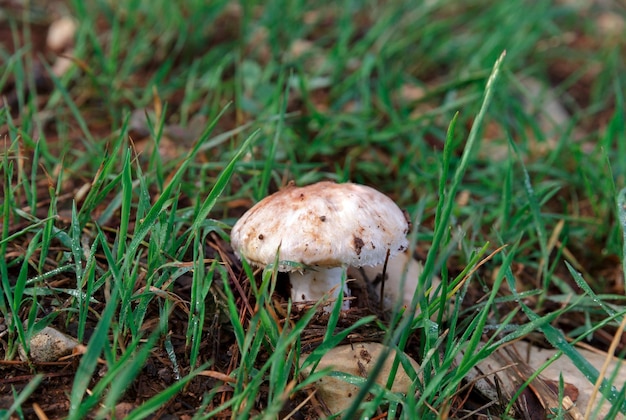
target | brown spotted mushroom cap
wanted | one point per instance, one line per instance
(324, 224)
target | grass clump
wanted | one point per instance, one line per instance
(122, 176)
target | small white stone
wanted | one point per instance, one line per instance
(48, 345)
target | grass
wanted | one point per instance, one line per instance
(121, 179)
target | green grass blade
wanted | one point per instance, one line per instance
(143, 228)
(121, 376)
(621, 212)
(220, 185)
(22, 397)
(556, 338)
(127, 200)
(95, 347)
(446, 200)
(149, 407)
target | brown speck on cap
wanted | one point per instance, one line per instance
(358, 245)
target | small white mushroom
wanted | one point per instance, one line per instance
(319, 230)
(61, 33)
(356, 360)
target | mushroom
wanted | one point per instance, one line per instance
(356, 360)
(402, 274)
(318, 231)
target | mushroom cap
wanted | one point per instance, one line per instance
(356, 359)
(324, 225)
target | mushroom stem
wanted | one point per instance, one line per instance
(312, 285)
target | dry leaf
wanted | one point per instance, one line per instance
(502, 373)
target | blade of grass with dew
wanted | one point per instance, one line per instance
(49, 224)
(18, 293)
(446, 200)
(162, 248)
(7, 300)
(233, 312)
(445, 203)
(99, 339)
(539, 224)
(133, 315)
(580, 281)
(30, 186)
(469, 343)
(35, 324)
(165, 310)
(248, 378)
(220, 184)
(127, 199)
(262, 301)
(556, 338)
(112, 387)
(55, 291)
(142, 191)
(76, 246)
(200, 287)
(143, 228)
(99, 187)
(85, 292)
(614, 412)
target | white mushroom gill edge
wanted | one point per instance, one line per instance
(312, 285)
